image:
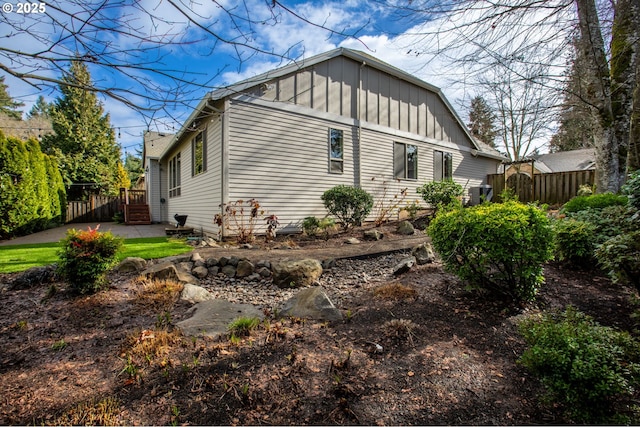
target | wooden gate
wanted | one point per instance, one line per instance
(95, 209)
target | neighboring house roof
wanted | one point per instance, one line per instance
(566, 161)
(245, 85)
(154, 144)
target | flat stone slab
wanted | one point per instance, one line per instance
(212, 318)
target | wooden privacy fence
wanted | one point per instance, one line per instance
(550, 188)
(94, 209)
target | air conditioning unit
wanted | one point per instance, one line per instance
(480, 194)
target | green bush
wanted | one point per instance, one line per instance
(609, 222)
(620, 258)
(582, 365)
(632, 189)
(310, 226)
(350, 205)
(85, 257)
(440, 193)
(595, 201)
(498, 247)
(574, 241)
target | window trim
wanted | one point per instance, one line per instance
(336, 160)
(403, 173)
(194, 141)
(175, 178)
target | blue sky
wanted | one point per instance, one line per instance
(155, 36)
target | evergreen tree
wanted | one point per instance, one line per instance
(578, 118)
(84, 140)
(133, 165)
(39, 109)
(482, 121)
(7, 105)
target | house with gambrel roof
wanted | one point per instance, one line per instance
(288, 135)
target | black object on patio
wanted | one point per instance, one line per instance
(180, 220)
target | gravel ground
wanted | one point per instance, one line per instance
(338, 281)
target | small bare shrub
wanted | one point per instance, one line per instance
(395, 291)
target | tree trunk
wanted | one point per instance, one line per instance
(606, 144)
(633, 154)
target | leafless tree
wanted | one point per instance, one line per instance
(136, 46)
(480, 35)
(523, 107)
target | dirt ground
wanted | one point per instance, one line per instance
(419, 350)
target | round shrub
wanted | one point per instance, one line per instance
(620, 258)
(574, 241)
(350, 205)
(582, 364)
(595, 201)
(497, 247)
(85, 257)
(437, 193)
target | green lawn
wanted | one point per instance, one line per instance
(14, 258)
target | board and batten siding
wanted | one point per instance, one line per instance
(333, 87)
(200, 197)
(281, 159)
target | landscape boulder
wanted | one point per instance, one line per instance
(405, 228)
(424, 254)
(35, 276)
(311, 303)
(404, 266)
(296, 274)
(195, 294)
(200, 272)
(168, 271)
(211, 318)
(244, 268)
(373, 235)
(130, 264)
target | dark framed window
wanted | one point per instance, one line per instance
(336, 151)
(199, 154)
(405, 161)
(174, 176)
(442, 165)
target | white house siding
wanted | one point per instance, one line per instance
(377, 164)
(280, 159)
(200, 194)
(153, 184)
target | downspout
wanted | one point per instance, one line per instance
(224, 159)
(357, 151)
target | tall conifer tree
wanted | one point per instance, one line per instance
(482, 121)
(84, 139)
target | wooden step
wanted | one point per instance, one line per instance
(137, 214)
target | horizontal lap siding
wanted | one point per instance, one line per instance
(200, 195)
(377, 166)
(281, 160)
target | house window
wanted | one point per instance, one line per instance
(442, 165)
(405, 161)
(336, 151)
(199, 154)
(174, 176)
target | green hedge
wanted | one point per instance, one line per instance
(32, 194)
